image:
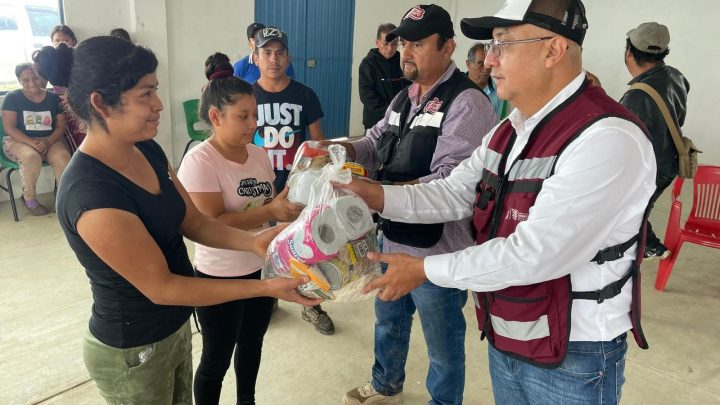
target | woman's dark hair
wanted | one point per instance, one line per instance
(65, 30)
(120, 33)
(106, 65)
(54, 64)
(223, 86)
(642, 58)
(21, 67)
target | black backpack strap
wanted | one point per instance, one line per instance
(614, 252)
(609, 291)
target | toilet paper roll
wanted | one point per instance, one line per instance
(318, 237)
(301, 185)
(353, 215)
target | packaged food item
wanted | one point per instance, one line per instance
(309, 161)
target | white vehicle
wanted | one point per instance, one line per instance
(25, 26)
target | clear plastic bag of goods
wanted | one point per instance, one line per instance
(330, 240)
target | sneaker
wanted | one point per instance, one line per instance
(35, 208)
(366, 395)
(659, 251)
(316, 316)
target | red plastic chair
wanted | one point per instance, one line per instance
(703, 224)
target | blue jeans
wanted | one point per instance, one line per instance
(592, 373)
(443, 325)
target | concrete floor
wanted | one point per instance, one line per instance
(45, 304)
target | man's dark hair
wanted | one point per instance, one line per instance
(441, 40)
(473, 51)
(384, 28)
(643, 58)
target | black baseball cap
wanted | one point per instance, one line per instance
(422, 21)
(268, 34)
(563, 17)
(252, 28)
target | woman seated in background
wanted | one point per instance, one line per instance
(74, 132)
(231, 179)
(34, 125)
(62, 34)
(124, 214)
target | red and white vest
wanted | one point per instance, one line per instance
(532, 322)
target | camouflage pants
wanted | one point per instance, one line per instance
(159, 373)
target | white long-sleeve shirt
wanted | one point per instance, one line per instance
(596, 198)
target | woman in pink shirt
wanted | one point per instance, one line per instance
(231, 179)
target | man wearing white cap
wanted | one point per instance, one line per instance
(645, 50)
(557, 193)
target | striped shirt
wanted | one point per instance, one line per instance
(467, 120)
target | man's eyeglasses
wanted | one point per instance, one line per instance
(495, 46)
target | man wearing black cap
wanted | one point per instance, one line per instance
(428, 129)
(245, 68)
(645, 50)
(557, 194)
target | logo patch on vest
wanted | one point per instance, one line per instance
(416, 13)
(516, 215)
(433, 106)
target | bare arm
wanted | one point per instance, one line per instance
(119, 238)
(212, 232)
(9, 122)
(212, 205)
(59, 131)
(315, 130)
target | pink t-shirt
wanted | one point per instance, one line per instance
(243, 188)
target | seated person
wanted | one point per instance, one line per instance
(34, 125)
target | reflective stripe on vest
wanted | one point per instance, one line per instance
(518, 330)
(531, 169)
(492, 161)
(428, 120)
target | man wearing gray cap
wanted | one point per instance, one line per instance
(557, 194)
(645, 51)
(428, 129)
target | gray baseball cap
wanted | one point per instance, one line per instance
(650, 37)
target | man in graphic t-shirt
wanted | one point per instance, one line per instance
(289, 113)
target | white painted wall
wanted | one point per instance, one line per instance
(694, 50)
(183, 33)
